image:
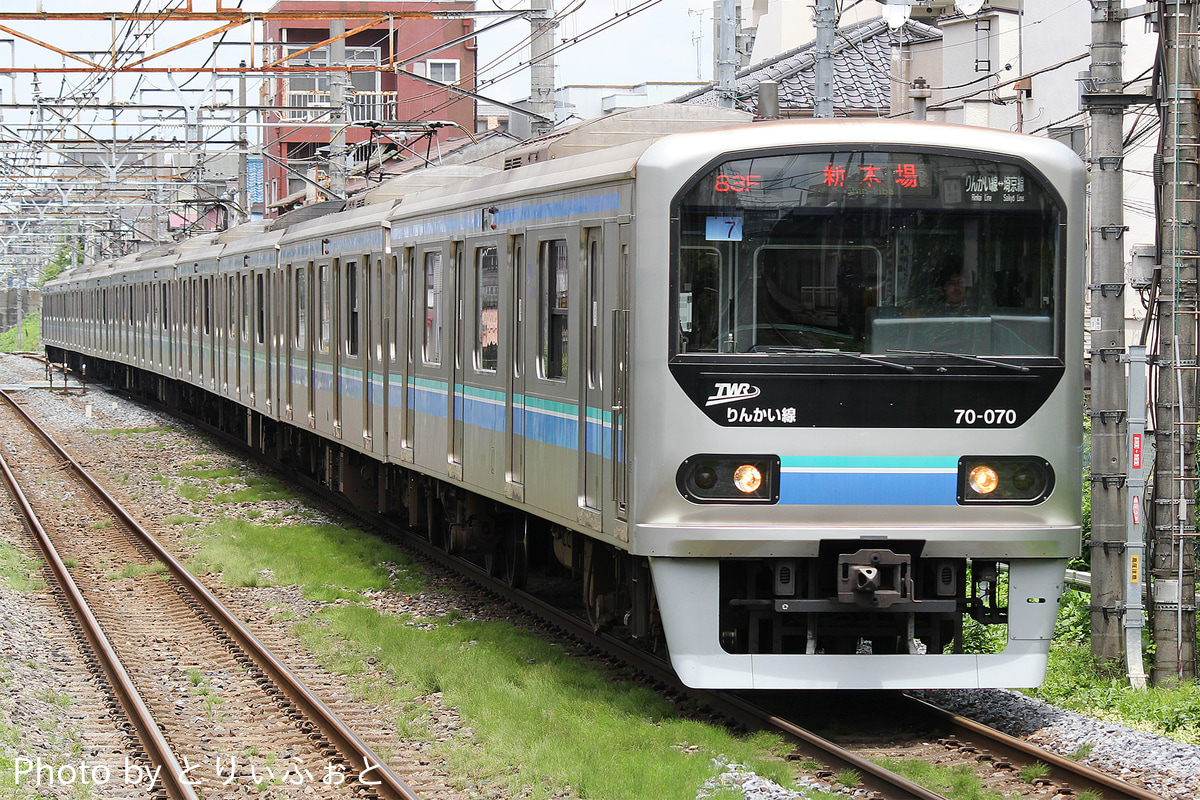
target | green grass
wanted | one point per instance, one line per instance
(1073, 681)
(189, 492)
(522, 701)
(1031, 772)
(131, 431)
(220, 472)
(31, 333)
(528, 703)
(328, 561)
(17, 570)
(138, 570)
(956, 783)
(257, 490)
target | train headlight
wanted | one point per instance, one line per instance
(747, 478)
(1012, 480)
(983, 479)
(713, 478)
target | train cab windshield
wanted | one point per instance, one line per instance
(860, 251)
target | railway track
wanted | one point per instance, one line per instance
(988, 744)
(197, 641)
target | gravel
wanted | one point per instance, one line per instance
(1167, 767)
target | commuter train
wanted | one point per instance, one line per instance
(797, 400)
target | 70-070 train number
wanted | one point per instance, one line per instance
(989, 416)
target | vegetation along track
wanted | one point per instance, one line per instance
(217, 695)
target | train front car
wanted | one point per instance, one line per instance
(857, 401)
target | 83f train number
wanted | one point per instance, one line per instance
(989, 416)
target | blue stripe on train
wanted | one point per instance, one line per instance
(882, 481)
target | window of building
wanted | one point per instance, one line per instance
(444, 70)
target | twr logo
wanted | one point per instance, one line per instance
(731, 393)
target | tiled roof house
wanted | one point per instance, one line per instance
(862, 65)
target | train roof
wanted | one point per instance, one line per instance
(642, 124)
(261, 239)
(396, 189)
(598, 166)
(350, 219)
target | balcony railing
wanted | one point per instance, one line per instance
(315, 106)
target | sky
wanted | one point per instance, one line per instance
(670, 40)
(651, 40)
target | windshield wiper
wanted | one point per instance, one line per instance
(830, 351)
(968, 356)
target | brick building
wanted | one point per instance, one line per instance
(385, 101)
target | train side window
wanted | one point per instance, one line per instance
(261, 307)
(246, 300)
(395, 306)
(487, 308)
(326, 317)
(432, 348)
(301, 308)
(165, 315)
(352, 308)
(554, 285)
(207, 306)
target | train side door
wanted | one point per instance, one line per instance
(265, 328)
(312, 284)
(591, 410)
(620, 383)
(515, 412)
(411, 298)
(431, 397)
(399, 307)
(244, 356)
(336, 324)
(374, 354)
(455, 389)
(262, 314)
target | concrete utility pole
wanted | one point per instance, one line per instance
(1109, 406)
(541, 67)
(243, 194)
(338, 116)
(726, 40)
(1172, 561)
(825, 15)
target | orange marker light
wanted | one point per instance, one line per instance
(747, 478)
(983, 480)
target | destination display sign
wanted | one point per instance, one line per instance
(869, 177)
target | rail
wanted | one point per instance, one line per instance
(379, 777)
(158, 751)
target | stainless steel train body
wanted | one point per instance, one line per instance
(716, 374)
